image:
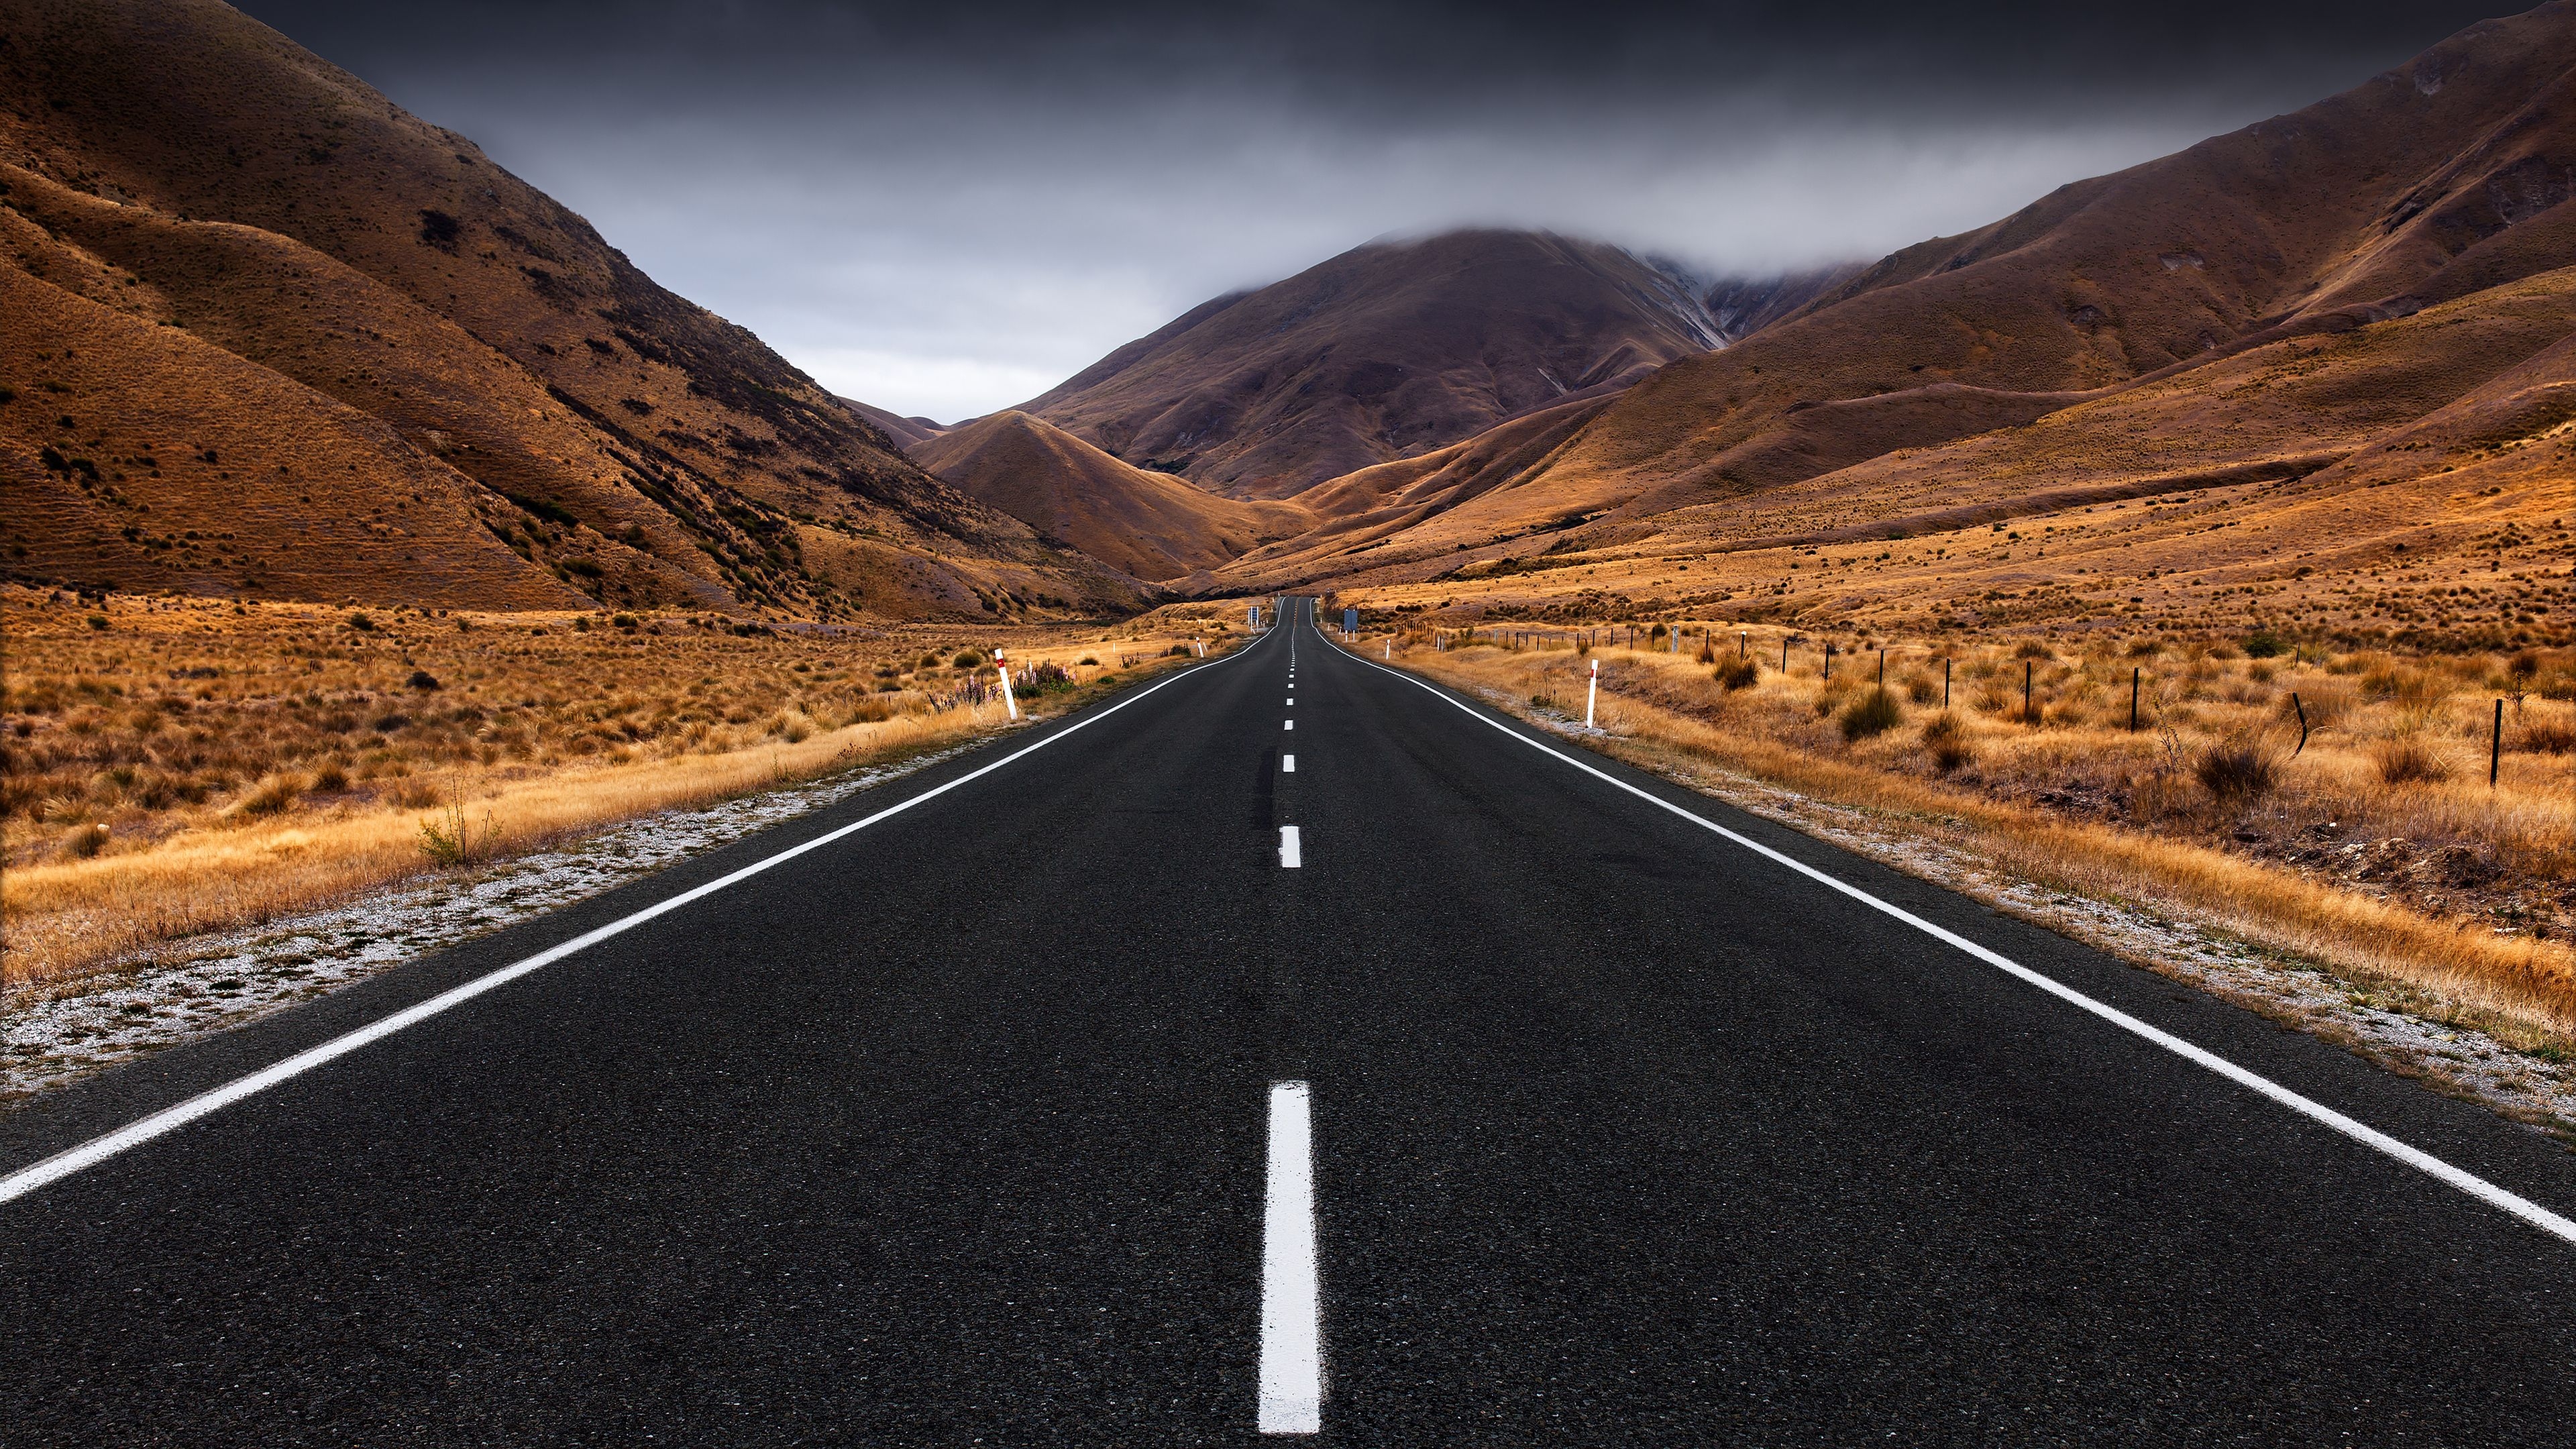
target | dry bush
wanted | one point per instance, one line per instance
(1737, 674)
(2326, 702)
(2235, 771)
(2407, 759)
(1874, 713)
(1947, 742)
(2545, 737)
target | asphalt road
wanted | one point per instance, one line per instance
(959, 1129)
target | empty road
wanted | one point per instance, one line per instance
(1276, 1049)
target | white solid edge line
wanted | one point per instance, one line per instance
(98, 1149)
(1287, 764)
(1292, 1358)
(2468, 1182)
(1291, 857)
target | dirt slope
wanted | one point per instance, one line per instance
(1385, 352)
(176, 173)
(1153, 525)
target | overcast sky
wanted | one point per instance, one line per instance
(947, 209)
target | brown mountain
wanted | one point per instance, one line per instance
(1153, 525)
(262, 331)
(901, 430)
(2304, 303)
(1385, 352)
(2419, 186)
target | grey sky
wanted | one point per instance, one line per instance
(945, 210)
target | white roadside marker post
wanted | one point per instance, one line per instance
(1008, 703)
(1591, 691)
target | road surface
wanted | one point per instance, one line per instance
(1139, 1088)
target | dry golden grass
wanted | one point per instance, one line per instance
(2446, 886)
(180, 767)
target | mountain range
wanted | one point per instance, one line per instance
(262, 332)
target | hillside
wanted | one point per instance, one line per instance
(902, 431)
(1152, 525)
(1385, 352)
(2417, 187)
(310, 346)
(2359, 307)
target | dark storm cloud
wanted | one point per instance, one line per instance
(946, 208)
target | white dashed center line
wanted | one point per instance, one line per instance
(1287, 724)
(1289, 857)
(1292, 1330)
(1287, 764)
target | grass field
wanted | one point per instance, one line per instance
(2376, 847)
(169, 767)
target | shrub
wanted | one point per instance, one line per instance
(2264, 644)
(968, 659)
(2408, 760)
(270, 795)
(1871, 714)
(1921, 689)
(2031, 649)
(1947, 740)
(1738, 673)
(423, 679)
(622, 621)
(1707, 652)
(1088, 662)
(332, 778)
(362, 623)
(85, 843)
(98, 621)
(2237, 769)
(448, 838)
(2547, 737)
(1179, 650)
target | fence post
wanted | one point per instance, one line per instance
(2027, 666)
(1882, 666)
(2134, 672)
(2302, 711)
(1741, 642)
(2495, 751)
(1784, 654)
(1945, 683)
(1590, 690)
(1829, 659)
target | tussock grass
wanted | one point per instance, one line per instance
(2203, 812)
(188, 768)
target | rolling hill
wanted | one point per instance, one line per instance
(264, 333)
(1152, 525)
